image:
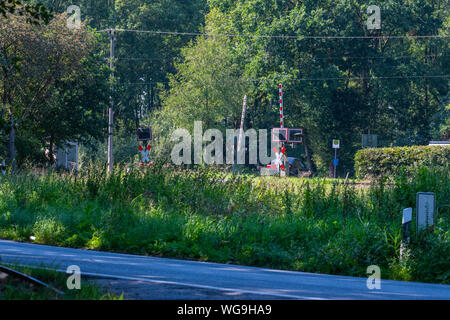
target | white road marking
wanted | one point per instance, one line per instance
(193, 285)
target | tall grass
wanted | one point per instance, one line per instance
(310, 225)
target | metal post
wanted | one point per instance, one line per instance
(334, 165)
(280, 88)
(346, 178)
(406, 221)
(112, 33)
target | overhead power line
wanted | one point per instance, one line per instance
(322, 58)
(372, 78)
(320, 79)
(379, 57)
(326, 58)
(295, 37)
(140, 59)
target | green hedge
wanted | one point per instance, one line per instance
(390, 161)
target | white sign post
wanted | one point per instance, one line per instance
(407, 216)
(426, 207)
(406, 222)
(336, 144)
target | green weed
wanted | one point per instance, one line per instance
(315, 225)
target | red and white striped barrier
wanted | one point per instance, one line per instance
(280, 157)
(280, 87)
(241, 132)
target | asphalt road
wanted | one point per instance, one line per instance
(203, 280)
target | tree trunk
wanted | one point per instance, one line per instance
(136, 117)
(151, 98)
(51, 146)
(12, 148)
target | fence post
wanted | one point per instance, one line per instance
(406, 222)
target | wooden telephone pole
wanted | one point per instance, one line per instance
(112, 34)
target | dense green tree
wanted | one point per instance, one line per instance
(142, 59)
(35, 13)
(335, 87)
(35, 59)
(209, 86)
(74, 110)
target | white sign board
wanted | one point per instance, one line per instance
(426, 207)
(407, 215)
(336, 144)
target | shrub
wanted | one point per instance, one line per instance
(392, 161)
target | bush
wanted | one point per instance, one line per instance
(392, 161)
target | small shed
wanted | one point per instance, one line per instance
(67, 157)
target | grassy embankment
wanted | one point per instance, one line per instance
(309, 225)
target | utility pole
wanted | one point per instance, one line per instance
(112, 34)
(12, 144)
(150, 93)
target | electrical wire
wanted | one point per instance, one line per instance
(295, 37)
(323, 58)
(320, 79)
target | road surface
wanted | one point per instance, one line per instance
(180, 279)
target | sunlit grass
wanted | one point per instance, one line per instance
(314, 225)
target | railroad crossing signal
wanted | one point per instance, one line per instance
(145, 152)
(284, 135)
(278, 163)
(279, 135)
(144, 134)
